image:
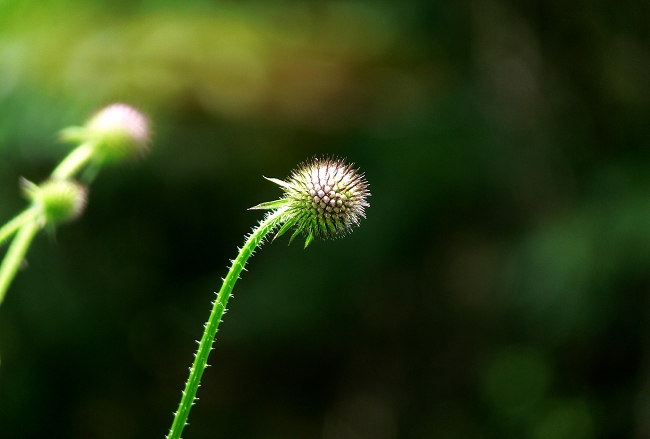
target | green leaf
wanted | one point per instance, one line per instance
(309, 239)
(73, 135)
(331, 227)
(282, 183)
(322, 226)
(296, 233)
(270, 205)
(286, 226)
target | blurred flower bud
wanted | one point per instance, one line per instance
(116, 133)
(61, 200)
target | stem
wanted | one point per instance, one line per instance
(219, 306)
(15, 254)
(70, 165)
(16, 223)
(26, 224)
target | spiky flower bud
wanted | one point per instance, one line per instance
(61, 200)
(324, 197)
(116, 132)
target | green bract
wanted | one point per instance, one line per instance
(324, 198)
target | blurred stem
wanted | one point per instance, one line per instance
(219, 306)
(16, 223)
(70, 165)
(26, 224)
(16, 253)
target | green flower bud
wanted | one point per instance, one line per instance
(61, 200)
(323, 198)
(116, 133)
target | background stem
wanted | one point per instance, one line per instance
(201, 358)
(27, 224)
(16, 223)
(15, 254)
(73, 162)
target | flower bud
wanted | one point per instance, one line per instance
(61, 200)
(116, 133)
(323, 197)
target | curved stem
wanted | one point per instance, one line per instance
(74, 161)
(16, 223)
(201, 358)
(15, 254)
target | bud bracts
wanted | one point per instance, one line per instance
(323, 197)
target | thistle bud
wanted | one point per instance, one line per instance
(117, 132)
(323, 198)
(61, 200)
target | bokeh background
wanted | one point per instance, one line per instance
(499, 287)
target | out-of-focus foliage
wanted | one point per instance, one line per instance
(499, 287)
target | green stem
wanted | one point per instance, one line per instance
(16, 223)
(219, 306)
(70, 165)
(15, 254)
(26, 224)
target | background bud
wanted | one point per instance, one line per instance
(117, 132)
(62, 200)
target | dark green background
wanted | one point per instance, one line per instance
(498, 288)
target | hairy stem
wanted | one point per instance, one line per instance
(219, 306)
(74, 161)
(16, 253)
(16, 223)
